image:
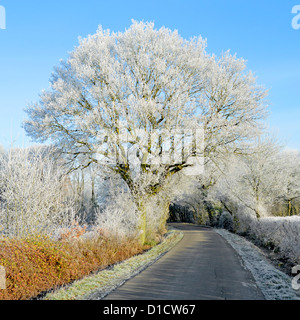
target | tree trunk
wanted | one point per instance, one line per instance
(93, 190)
(289, 207)
(154, 213)
(143, 223)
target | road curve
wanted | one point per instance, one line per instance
(203, 266)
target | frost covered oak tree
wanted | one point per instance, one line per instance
(114, 86)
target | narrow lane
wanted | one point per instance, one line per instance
(203, 266)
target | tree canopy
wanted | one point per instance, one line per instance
(114, 86)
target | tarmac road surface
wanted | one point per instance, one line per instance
(202, 266)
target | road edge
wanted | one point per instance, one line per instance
(273, 283)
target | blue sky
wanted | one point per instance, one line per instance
(40, 32)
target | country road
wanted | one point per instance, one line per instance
(203, 266)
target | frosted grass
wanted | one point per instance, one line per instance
(274, 284)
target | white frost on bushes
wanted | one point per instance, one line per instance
(274, 284)
(35, 194)
(120, 217)
(283, 232)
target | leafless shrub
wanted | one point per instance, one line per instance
(34, 195)
(120, 218)
(281, 233)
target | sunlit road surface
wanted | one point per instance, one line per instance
(203, 266)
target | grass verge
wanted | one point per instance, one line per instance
(97, 286)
